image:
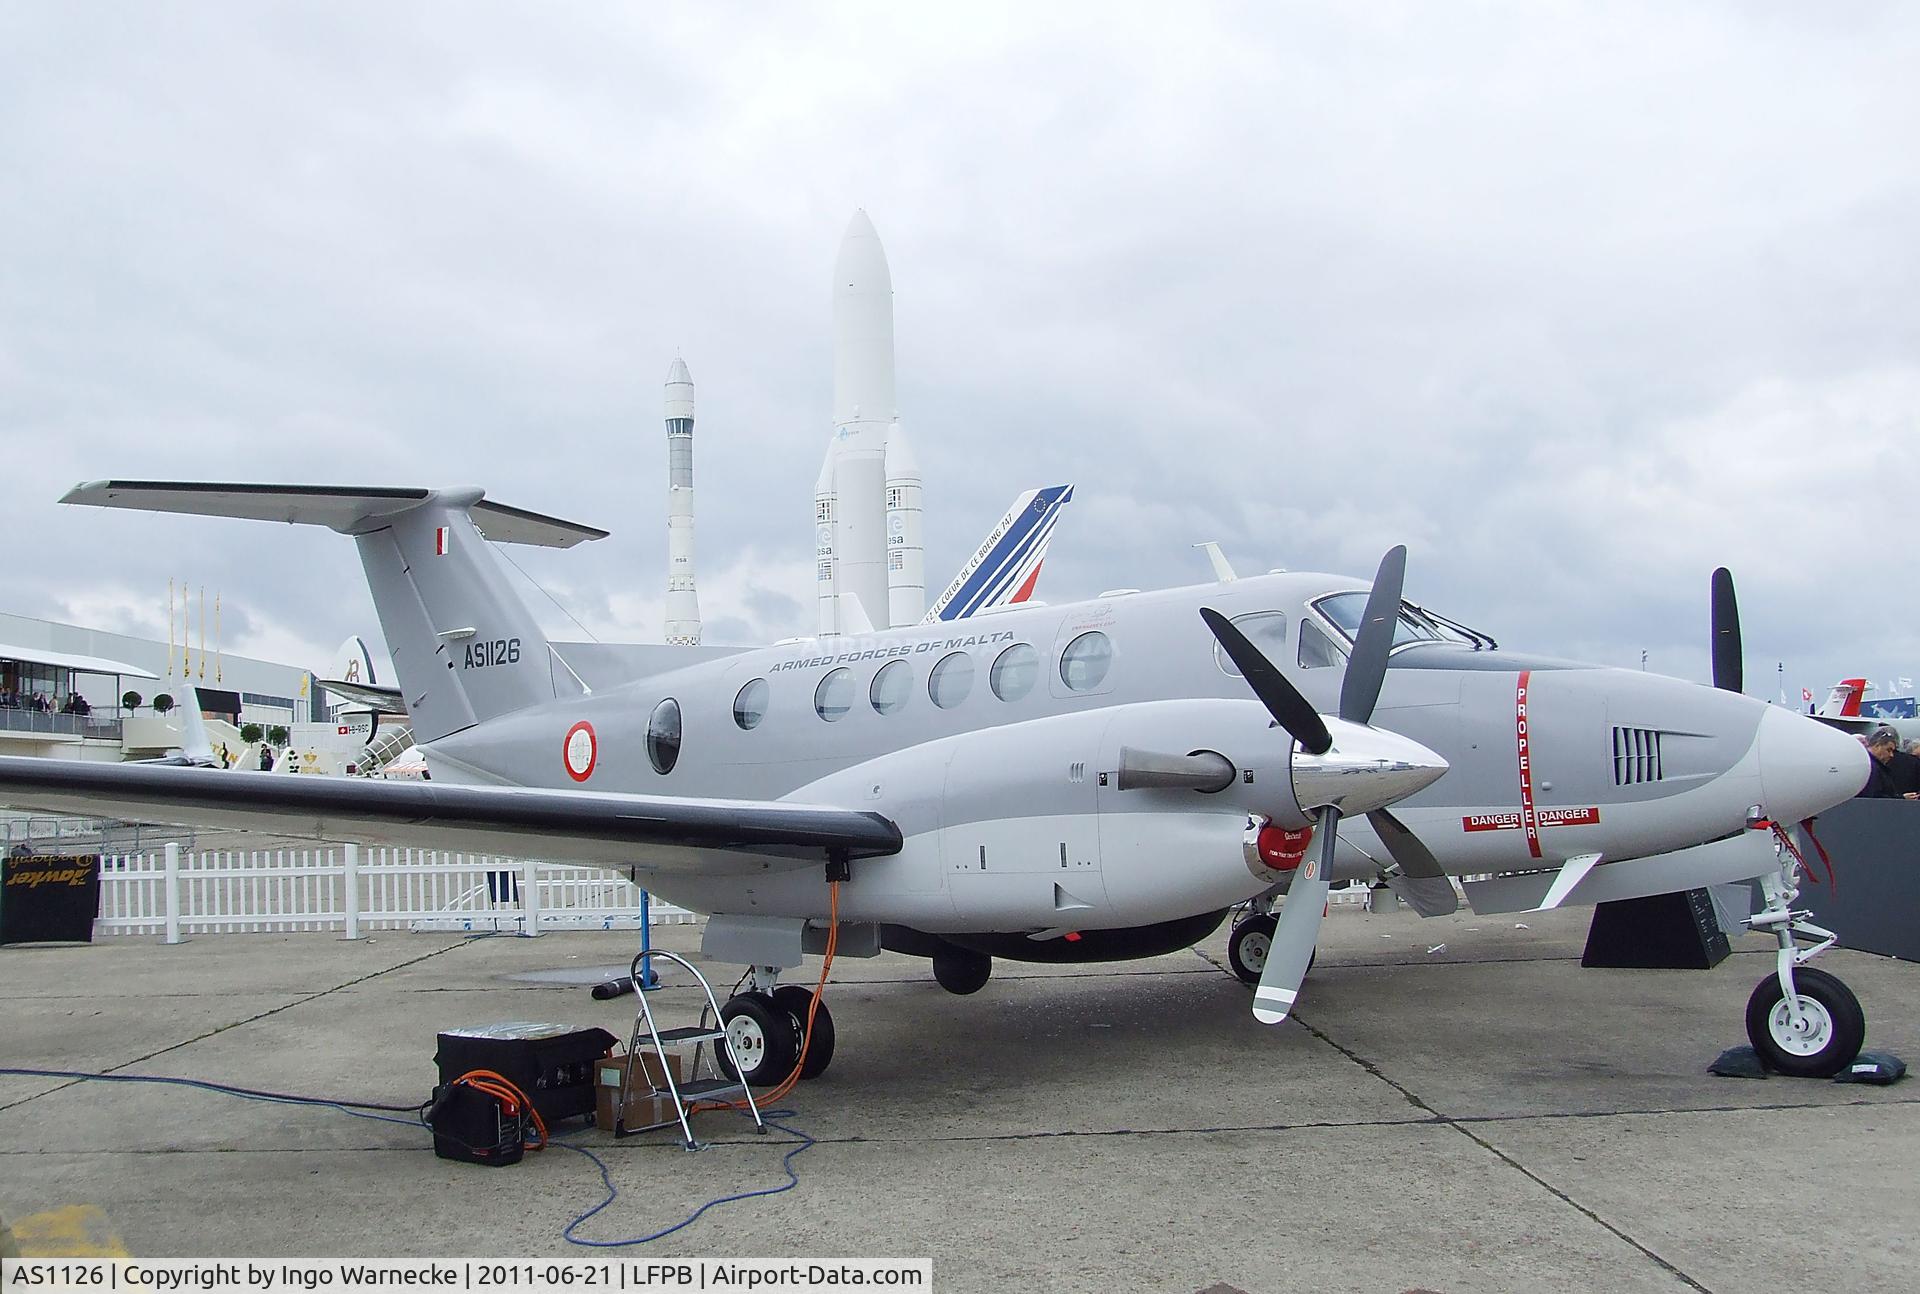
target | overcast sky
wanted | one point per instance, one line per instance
(1576, 301)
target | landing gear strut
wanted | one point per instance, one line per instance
(1803, 1022)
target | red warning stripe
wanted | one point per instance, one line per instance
(1529, 821)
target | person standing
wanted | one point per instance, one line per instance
(1894, 774)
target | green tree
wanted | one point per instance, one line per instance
(277, 735)
(250, 732)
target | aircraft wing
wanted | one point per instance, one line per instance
(653, 833)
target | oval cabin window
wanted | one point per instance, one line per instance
(750, 704)
(663, 736)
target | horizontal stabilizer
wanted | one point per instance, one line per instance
(384, 700)
(644, 832)
(349, 509)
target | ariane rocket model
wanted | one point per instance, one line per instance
(869, 558)
(683, 603)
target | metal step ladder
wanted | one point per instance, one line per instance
(680, 1092)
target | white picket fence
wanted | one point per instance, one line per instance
(353, 889)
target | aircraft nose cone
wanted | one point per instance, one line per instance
(1367, 768)
(1807, 766)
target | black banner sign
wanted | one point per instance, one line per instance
(49, 898)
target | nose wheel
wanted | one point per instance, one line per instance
(1814, 1036)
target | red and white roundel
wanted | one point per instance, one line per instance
(580, 751)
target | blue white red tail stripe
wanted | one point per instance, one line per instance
(1003, 569)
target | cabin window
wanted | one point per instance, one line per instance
(1084, 664)
(834, 697)
(949, 682)
(891, 686)
(1266, 630)
(663, 736)
(750, 704)
(1316, 649)
(1014, 672)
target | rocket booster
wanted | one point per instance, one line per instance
(906, 550)
(863, 410)
(683, 603)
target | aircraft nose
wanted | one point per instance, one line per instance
(1807, 766)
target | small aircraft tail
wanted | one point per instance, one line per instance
(195, 746)
(1844, 701)
(463, 643)
(1004, 569)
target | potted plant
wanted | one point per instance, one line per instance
(277, 735)
(251, 733)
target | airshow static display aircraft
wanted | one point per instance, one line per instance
(1086, 782)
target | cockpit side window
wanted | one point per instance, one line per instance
(1266, 630)
(1316, 649)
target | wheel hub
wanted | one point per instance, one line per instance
(1805, 1038)
(1254, 948)
(748, 1041)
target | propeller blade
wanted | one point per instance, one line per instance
(1414, 858)
(1298, 929)
(1728, 667)
(1367, 667)
(1282, 699)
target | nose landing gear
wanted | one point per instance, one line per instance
(1802, 1021)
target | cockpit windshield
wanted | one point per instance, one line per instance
(1416, 624)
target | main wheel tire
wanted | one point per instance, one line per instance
(961, 970)
(1248, 945)
(796, 1001)
(1833, 1030)
(763, 1038)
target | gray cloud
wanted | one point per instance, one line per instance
(1578, 300)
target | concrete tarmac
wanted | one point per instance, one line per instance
(1458, 1106)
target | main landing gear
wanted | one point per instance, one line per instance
(767, 1026)
(1252, 939)
(1802, 1021)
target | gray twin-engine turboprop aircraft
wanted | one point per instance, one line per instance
(1095, 781)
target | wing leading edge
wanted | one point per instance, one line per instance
(652, 833)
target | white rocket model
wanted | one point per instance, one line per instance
(906, 551)
(683, 603)
(869, 468)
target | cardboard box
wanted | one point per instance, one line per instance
(640, 1106)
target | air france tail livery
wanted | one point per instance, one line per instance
(1004, 569)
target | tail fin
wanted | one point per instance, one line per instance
(195, 746)
(464, 645)
(1844, 701)
(1003, 570)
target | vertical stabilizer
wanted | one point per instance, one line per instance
(463, 643)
